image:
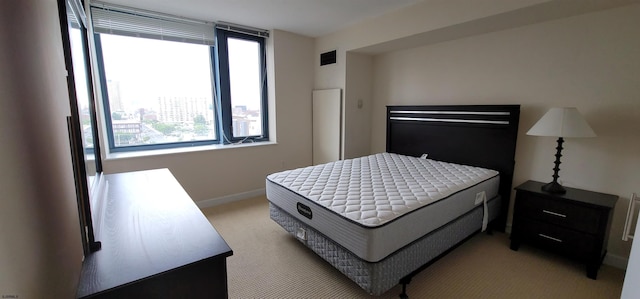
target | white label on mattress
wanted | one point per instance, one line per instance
(480, 196)
(424, 156)
(301, 233)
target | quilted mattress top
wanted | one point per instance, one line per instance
(374, 190)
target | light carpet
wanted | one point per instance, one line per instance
(267, 262)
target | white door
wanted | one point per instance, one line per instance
(327, 125)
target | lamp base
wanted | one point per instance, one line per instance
(554, 188)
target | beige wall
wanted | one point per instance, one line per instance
(40, 247)
(214, 174)
(357, 105)
(428, 22)
(406, 23)
(591, 61)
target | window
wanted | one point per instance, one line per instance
(179, 85)
(242, 78)
(158, 92)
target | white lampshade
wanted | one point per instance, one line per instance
(562, 122)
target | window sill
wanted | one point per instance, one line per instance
(181, 150)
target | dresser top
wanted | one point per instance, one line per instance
(589, 197)
(147, 224)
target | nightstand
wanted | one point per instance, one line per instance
(575, 224)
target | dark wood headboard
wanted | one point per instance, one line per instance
(477, 135)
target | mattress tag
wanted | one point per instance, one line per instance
(301, 234)
(424, 156)
(480, 196)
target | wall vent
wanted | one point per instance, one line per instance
(328, 57)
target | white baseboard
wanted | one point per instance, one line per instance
(207, 203)
(616, 261)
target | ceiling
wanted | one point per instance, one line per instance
(311, 18)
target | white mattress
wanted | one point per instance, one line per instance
(375, 205)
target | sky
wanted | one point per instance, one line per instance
(79, 71)
(148, 69)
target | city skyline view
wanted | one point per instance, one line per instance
(162, 92)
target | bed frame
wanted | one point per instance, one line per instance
(477, 135)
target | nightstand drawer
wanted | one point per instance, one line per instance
(576, 244)
(566, 214)
(575, 223)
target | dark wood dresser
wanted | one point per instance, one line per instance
(155, 242)
(575, 224)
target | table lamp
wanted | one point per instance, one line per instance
(561, 123)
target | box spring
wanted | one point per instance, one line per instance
(378, 277)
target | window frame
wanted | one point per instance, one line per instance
(223, 86)
(221, 101)
(107, 113)
(68, 12)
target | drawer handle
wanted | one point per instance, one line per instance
(550, 238)
(554, 214)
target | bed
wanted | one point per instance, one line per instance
(446, 174)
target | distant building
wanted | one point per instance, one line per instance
(239, 110)
(183, 109)
(246, 122)
(126, 131)
(115, 99)
(241, 126)
(126, 126)
(150, 116)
